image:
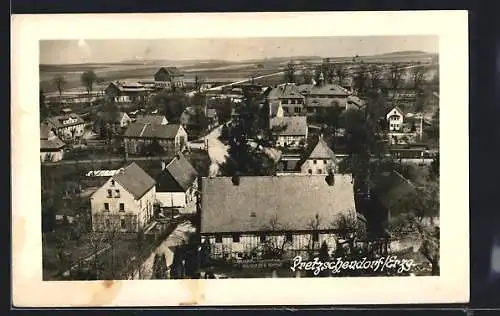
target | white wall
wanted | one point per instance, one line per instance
(320, 167)
(53, 156)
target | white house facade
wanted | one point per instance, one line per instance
(395, 119)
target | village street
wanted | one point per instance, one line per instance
(179, 236)
(217, 151)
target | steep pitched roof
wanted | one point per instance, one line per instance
(293, 200)
(289, 125)
(142, 130)
(397, 108)
(321, 151)
(285, 91)
(178, 175)
(135, 180)
(50, 144)
(171, 70)
(150, 119)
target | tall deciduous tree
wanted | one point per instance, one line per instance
(396, 76)
(59, 82)
(88, 79)
(417, 73)
(290, 72)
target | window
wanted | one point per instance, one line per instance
(310, 171)
(263, 238)
(122, 207)
(218, 239)
(285, 109)
(289, 237)
(299, 101)
(253, 214)
(297, 109)
(236, 237)
(117, 193)
(325, 162)
(106, 206)
(109, 193)
(315, 236)
(292, 101)
(320, 171)
(122, 223)
(112, 182)
(314, 161)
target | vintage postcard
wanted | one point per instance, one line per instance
(240, 159)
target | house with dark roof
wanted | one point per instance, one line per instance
(144, 138)
(177, 185)
(67, 127)
(51, 147)
(289, 97)
(168, 77)
(151, 119)
(117, 120)
(320, 160)
(243, 217)
(289, 131)
(125, 203)
(124, 92)
(320, 97)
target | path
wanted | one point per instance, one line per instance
(217, 151)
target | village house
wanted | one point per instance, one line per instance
(395, 119)
(257, 214)
(139, 138)
(127, 92)
(177, 185)
(125, 203)
(51, 147)
(169, 77)
(117, 120)
(322, 96)
(67, 127)
(321, 159)
(288, 97)
(289, 131)
(151, 119)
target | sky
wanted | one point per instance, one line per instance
(237, 49)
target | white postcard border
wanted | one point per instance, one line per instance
(452, 286)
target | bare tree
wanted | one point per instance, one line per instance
(375, 77)
(416, 216)
(396, 75)
(272, 246)
(290, 71)
(88, 79)
(198, 82)
(313, 226)
(307, 74)
(97, 243)
(417, 73)
(341, 73)
(60, 82)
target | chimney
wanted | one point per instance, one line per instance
(235, 179)
(330, 178)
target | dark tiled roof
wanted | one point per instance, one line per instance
(140, 130)
(150, 119)
(322, 151)
(293, 200)
(135, 180)
(172, 71)
(112, 117)
(292, 125)
(178, 175)
(285, 91)
(391, 187)
(53, 143)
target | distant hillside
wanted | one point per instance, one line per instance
(406, 53)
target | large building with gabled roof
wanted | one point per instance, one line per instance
(125, 203)
(241, 217)
(320, 160)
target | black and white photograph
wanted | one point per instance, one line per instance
(242, 157)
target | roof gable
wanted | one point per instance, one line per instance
(289, 125)
(145, 130)
(294, 200)
(285, 91)
(135, 180)
(321, 151)
(178, 175)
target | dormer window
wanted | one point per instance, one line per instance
(113, 182)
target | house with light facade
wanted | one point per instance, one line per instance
(67, 127)
(125, 203)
